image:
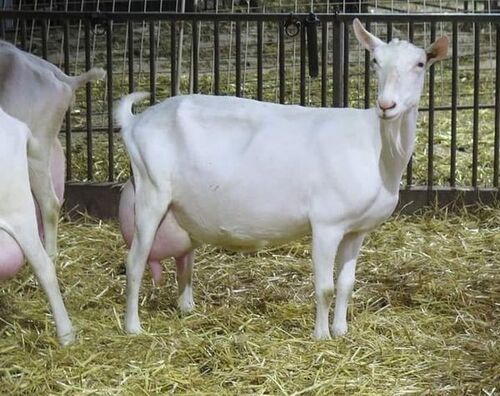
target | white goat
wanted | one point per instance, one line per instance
(244, 174)
(18, 223)
(38, 93)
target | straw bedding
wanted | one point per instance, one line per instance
(424, 318)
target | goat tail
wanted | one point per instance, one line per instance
(96, 73)
(123, 110)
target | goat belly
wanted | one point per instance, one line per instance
(239, 227)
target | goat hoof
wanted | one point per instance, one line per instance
(338, 330)
(133, 328)
(67, 339)
(321, 335)
(185, 306)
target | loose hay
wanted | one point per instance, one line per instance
(424, 319)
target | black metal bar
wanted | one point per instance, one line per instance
(454, 104)
(2, 27)
(103, 16)
(345, 83)
(130, 46)
(367, 74)
(44, 38)
(311, 27)
(430, 143)
(409, 166)
(260, 50)
(496, 154)
(195, 54)
(238, 58)
(173, 60)
(24, 35)
(459, 107)
(216, 59)
(475, 124)
(109, 67)
(88, 101)
(152, 63)
(188, 16)
(101, 199)
(302, 66)
(324, 63)
(389, 31)
(69, 163)
(337, 64)
(281, 61)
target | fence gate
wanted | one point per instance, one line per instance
(306, 59)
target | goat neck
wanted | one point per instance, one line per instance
(398, 141)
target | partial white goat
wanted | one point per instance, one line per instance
(243, 174)
(38, 93)
(18, 223)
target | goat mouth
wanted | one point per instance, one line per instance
(384, 116)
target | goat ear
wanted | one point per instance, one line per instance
(437, 50)
(365, 38)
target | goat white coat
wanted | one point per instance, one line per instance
(244, 174)
(38, 93)
(18, 223)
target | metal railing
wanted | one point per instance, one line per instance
(333, 87)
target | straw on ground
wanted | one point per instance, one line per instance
(425, 319)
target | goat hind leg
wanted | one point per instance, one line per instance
(150, 206)
(42, 187)
(46, 274)
(184, 266)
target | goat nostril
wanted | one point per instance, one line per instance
(386, 105)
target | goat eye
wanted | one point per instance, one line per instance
(420, 64)
(374, 61)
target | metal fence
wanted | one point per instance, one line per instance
(259, 6)
(272, 57)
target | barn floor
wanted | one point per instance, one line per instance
(425, 319)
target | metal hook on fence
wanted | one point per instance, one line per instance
(292, 26)
(98, 22)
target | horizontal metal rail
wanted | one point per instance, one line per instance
(101, 199)
(234, 17)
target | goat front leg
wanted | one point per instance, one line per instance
(151, 205)
(347, 255)
(324, 247)
(184, 266)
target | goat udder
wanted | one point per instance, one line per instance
(11, 256)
